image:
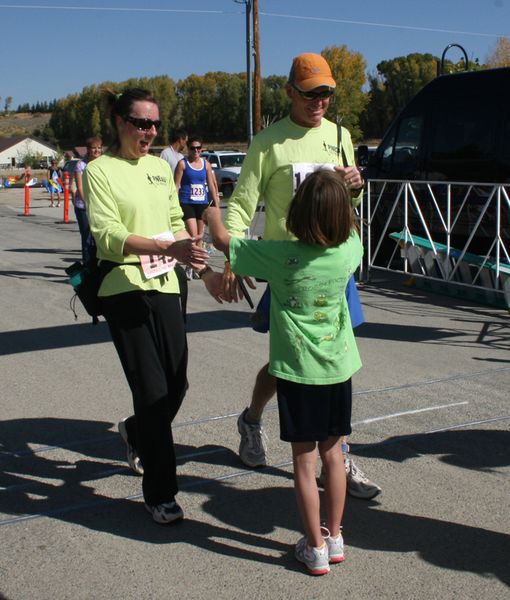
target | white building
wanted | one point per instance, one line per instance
(13, 149)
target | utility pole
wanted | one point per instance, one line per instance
(257, 75)
(249, 87)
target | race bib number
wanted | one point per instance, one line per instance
(300, 172)
(154, 265)
(197, 192)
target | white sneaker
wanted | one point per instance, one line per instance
(335, 548)
(132, 455)
(165, 513)
(358, 484)
(253, 446)
(315, 559)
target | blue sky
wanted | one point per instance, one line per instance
(50, 52)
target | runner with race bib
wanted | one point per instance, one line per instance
(197, 189)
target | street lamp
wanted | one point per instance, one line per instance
(249, 86)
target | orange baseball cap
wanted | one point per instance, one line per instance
(310, 71)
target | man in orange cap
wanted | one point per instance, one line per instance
(278, 160)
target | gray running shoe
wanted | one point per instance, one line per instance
(253, 446)
(165, 513)
(315, 559)
(358, 484)
(133, 459)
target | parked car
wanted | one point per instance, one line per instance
(226, 165)
(456, 129)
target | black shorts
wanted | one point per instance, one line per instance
(312, 413)
(193, 211)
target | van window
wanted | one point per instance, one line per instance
(463, 134)
(400, 152)
(463, 140)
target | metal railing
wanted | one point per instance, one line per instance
(455, 235)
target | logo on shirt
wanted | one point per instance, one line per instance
(157, 179)
(331, 149)
(292, 261)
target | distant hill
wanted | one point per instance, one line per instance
(22, 123)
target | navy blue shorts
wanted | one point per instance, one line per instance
(313, 413)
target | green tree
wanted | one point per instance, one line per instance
(397, 81)
(8, 103)
(214, 105)
(95, 122)
(274, 100)
(29, 158)
(349, 100)
(78, 116)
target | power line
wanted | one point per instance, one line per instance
(117, 9)
(265, 14)
(387, 25)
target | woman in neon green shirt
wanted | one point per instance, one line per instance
(136, 221)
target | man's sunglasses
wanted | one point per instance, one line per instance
(195, 148)
(143, 124)
(314, 95)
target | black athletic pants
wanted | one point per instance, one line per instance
(148, 332)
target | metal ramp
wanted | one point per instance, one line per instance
(451, 237)
(441, 269)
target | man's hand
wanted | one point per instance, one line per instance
(211, 213)
(351, 177)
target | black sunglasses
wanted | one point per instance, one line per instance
(311, 95)
(195, 148)
(143, 124)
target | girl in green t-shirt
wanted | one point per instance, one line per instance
(313, 352)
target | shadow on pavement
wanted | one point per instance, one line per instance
(441, 543)
(475, 449)
(34, 483)
(81, 334)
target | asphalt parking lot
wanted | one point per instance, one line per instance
(431, 426)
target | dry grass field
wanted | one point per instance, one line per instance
(22, 123)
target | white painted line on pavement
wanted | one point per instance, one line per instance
(408, 412)
(87, 505)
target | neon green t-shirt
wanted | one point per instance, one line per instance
(127, 197)
(277, 161)
(311, 337)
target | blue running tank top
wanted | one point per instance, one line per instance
(194, 188)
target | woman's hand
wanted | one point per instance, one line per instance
(188, 252)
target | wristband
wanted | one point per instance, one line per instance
(203, 271)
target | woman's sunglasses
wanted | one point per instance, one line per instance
(314, 95)
(143, 124)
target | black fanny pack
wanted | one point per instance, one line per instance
(86, 280)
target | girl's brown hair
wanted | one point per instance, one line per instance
(120, 104)
(321, 211)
